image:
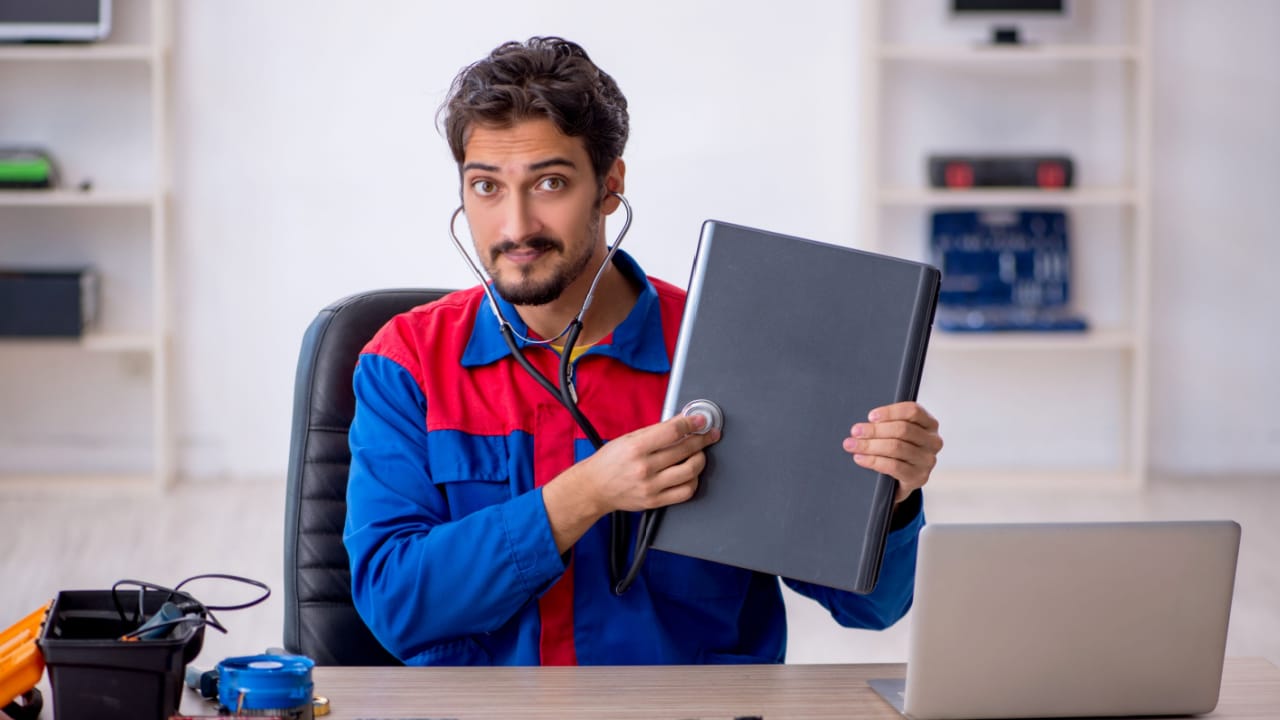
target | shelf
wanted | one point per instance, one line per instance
(1013, 54)
(72, 198)
(118, 342)
(94, 342)
(981, 197)
(1031, 341)
(77, 53)
(945, 481)
(77, 485)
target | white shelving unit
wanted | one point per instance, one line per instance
(927, 81)
(1020, 54)
(105, 52)
(68, 198)
(913, 197)
(92, 412)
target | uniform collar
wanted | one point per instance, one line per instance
(638, 341)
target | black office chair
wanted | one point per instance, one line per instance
(320, 620)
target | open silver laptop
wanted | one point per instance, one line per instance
(1068, 620)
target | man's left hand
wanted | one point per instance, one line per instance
(899, 440)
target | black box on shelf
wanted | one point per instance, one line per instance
(1047, 172)
(47, 302)
(97, 676)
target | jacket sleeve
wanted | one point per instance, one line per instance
(419, 577)
(894, 591)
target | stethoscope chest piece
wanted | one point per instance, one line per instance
(708, 410)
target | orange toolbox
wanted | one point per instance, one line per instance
(21, 664)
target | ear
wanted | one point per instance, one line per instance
(614, 182)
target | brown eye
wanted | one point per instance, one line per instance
(484, 188)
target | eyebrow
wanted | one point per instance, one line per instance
(540, 165)
(552, 162)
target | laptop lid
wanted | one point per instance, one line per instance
(1070, 619)
(794, 341)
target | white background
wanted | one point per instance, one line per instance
(307, 165)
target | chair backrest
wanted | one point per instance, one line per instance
(320, 620)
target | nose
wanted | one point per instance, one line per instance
(519, 220)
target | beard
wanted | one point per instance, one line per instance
(521, 289)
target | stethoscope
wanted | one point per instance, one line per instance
(564, 392)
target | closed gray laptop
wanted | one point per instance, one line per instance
(1068, 620)
(795, 341)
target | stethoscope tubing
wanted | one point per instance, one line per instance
(564, 393)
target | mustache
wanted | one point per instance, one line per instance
(537, 244)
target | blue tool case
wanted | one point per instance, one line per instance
(1003, 270)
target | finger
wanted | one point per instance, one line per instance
(909, 476)
(903, 492)
(675, 494)
(673, 485)
(681, 451)
(909, 411)
(671, 430)
(901, 470)
(896, 430)
(863, 439)
(673, 440)
(679, 476)
(895, 449)
(682, 472)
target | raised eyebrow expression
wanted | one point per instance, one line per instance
(532, 167)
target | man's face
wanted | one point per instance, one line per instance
(533, 204)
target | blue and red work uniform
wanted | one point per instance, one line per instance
(452, 556)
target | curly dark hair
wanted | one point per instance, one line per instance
(544, 77)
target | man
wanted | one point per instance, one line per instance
(478, 515)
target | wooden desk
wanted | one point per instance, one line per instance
(1250, 691)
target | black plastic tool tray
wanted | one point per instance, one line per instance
(97, 676)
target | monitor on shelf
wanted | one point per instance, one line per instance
(54, 20)
(1006, 7)
(1008, 16)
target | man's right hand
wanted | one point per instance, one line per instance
(652, 467)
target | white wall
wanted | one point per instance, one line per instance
(1216, 339)
(307, 166)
